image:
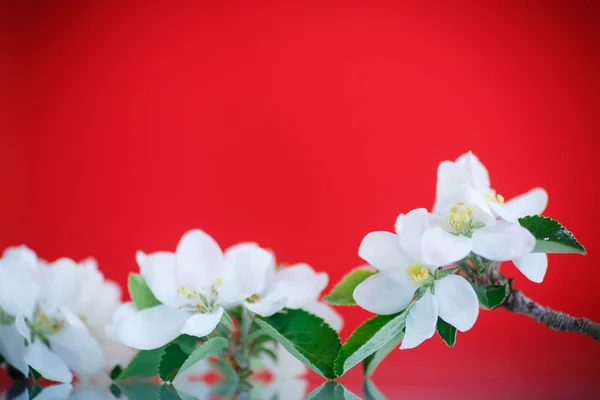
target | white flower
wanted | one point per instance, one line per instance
(296, 287)
(194, 284)
(401, 273)
(468, 173)
(35, 303)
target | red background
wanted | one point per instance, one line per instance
(304, 128)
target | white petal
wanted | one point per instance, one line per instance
(382, 250)
(21, 254)
(504, 241)
(124, 312)
(533, 202)
(410, 232)
(48, 364)
(327, 313)
(198, 258)
(78, 349)
(12, 347)
(441, 248)
(287, 366)
(60, 282)
(248, 264)
(18, 290)
(503, 212)
(420, 321)
(457, 302)
(533, 266)
(202, 324)
(385, 293)
(22, 327)
(152, 327)
(55, 392)
(268, 305)
(158, 270)
(476, 172)
(450, 176)
(300, 284)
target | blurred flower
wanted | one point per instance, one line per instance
(402, 273)
(193, 284)
(53, 315)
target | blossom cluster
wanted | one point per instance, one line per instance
(415, 264)
(53, 317)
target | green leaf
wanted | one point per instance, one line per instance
(371, 363)
(168, 392)
(140, 390)
(227, 321)
(35, 391)
(442, 273)
(36, 376)
(551, 236)
(115, 391)
(115, 372)
(492, 296)
(446, 331)
(341, 295)
(367, 339)
(170, 362)
(212, 347)
(371, 391)
(307, 337)
(140, 293)
(331, 391)
(146, 362)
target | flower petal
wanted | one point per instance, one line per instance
(533, 266)
(477, 174)
(441, 248)
(151, 328)
(198, 259)
(59, 283)
(382, 250)
(450, 176)
(533, 202)
(78, 349)
(21, 254)
(124, 312)
(300, 284)
(48, 364)
(268, 305)
(420, 321)
(12, 347)
(504, 241)
(503, 212)
(18, 290)
(22, 327)
(247, 264)
(158, 270)
(410, 229)
(202, 324)
(326, 313)
(457, 302)
(385, 293)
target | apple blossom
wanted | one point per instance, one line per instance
(52, 339)
(194, 285)
(469, 173)
(296, 286)
(402, 273)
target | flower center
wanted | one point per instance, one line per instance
(203, 301)
(461, 219)
(42, 324)
(254, 298)
(417, 272)
(498, 199)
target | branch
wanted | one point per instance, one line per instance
(518, 303)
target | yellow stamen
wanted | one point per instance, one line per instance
(417, 272)
(219, 282)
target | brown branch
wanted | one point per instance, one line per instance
(518, 303)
